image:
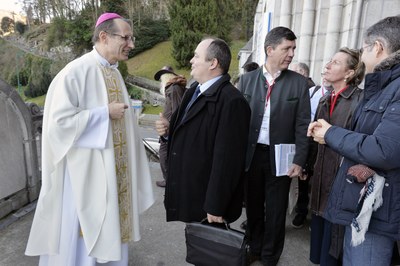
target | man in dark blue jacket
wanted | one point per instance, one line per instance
(374, 144)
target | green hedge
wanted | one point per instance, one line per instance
(148, 34)
(135, 92)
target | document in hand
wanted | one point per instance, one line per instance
(284, 154)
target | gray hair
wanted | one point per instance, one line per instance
(305, 68)
(385, 31)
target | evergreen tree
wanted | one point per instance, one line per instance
(80, 31)
(149, 33)
(225, 18)
(191, 20)
(115, 6)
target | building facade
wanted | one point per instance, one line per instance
(321, 27)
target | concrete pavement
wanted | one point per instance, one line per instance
(162, 244)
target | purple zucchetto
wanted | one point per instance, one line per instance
(105, 17)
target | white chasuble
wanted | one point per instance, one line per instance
(78, 144)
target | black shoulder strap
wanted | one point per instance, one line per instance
(315, 90)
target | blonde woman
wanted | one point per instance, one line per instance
(172, 87)
(344, 72)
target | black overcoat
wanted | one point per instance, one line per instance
(206, 155)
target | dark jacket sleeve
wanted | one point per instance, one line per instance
(380, 150)
(302, 122)
(312, 157)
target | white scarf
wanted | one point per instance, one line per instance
(370, 200)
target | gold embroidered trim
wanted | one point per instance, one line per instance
(114, 87)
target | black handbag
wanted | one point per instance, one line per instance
(215, 244)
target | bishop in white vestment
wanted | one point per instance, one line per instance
(95, 174)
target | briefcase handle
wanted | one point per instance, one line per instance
(224, 224)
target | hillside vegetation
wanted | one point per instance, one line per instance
(146, 64)
(11, 60)
(8, 60)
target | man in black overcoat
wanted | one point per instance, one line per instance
(207, 139)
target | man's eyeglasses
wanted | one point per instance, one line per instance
(364, 47)
(126, 38)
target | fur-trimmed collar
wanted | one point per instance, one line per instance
(389, 62)
(179, 80)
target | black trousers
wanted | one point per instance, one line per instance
(320, 242)
(266, 206)
(303, 198)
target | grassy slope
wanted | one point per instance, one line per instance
(146, 64)
(38, 100)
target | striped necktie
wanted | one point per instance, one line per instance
(194, 97)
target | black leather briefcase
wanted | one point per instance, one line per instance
(215, 244)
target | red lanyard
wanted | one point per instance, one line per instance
(268, 91)
(334, 97)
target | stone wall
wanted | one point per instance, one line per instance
(20, 133)
(150, 88)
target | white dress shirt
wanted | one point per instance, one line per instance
(263, 137)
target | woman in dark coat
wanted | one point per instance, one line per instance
(344, 72)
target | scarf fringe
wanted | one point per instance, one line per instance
(372, 194)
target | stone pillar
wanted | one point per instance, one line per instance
(286, 13)
(307, 31)
(332, 40)
(357, 25)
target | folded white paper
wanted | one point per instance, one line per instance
(284, 154)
